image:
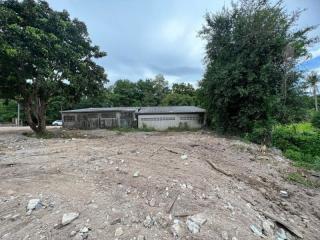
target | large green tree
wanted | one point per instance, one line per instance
(43, 54)
(251, 53)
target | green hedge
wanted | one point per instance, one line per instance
(301, 143)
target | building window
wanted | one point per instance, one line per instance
(69, 118)
(158, 119)
(189, 118)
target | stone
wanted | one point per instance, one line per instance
(281, 234)
(73, 233)
(177, 228)
(115, 221)
(148, 222)
(257, 231)
(199, 219)
(34, 204)
(225, 235)
(84, 230)
(184, 157)
(267, 227)
(136, 174)
(192, 226)
(284, 194)
(118, 232)
(69, 217)
(141, 237)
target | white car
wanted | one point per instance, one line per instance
(57, 123)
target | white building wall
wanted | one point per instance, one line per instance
(165, 121)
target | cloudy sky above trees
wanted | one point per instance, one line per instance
(144, 38)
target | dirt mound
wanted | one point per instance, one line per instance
(150, 186)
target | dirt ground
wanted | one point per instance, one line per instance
(143, 185)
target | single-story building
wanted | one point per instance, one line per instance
(159, 118)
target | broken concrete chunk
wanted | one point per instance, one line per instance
(184, 157)
(34, 204)
(69, 217)
(256, 230)
(118, 232)
(136, 174)
(281, 234)
(192, 226)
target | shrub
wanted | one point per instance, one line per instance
(316, 120)
(261, 133)
(298, 144)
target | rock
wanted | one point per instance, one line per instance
(177, 228)
(118, 232)
(73, 233)
(225, 235)
(284, 194)
(69, 217)
(281, 234)
(136, 174)
(192, 226)
(257, 231)
(267, 227)
(199, 219)
(148, 222)
(152, 202)
(161, 220)
(184, 157)
(141, 237)
(34, 204)
(84, 230)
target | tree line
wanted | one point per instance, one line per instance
(251, 80)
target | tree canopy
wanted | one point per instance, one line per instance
(43, 54)
(250, 80)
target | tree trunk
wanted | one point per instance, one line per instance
(315, 97)
(35, 110)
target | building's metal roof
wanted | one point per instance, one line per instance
(173, 109)
(111, 109)
(142, 110)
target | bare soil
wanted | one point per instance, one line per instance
(233, 184)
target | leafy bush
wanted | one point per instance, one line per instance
(300, 143)
(261, 133)
(316, 120)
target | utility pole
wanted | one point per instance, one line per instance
(18, 114)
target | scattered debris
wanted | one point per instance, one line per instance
(152, 202)
(115, 221)
(136, 174)
(192, 226)
(84, 230)
(285, 225)
(267, 227)
(225, 235)
(69, 217)
(148, 222)
(195, 222)
(281, 234)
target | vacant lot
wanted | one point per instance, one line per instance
(125, 185)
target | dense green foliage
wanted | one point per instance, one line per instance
(251, 81)
(299, 142)
(316, 120)
(8, 111)
(44, 54)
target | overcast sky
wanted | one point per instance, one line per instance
(146, 37)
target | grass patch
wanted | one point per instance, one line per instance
(45, 135)
(298, 178)
(300, 143)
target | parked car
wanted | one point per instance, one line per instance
(57, 123)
